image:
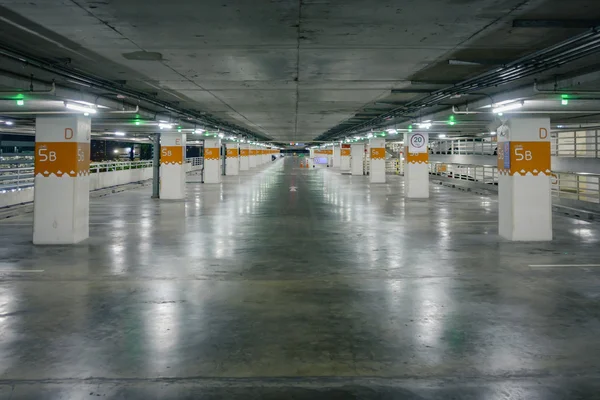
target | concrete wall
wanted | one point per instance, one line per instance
(98, 181)
(103, 180)
(17, 197)
(559, 164)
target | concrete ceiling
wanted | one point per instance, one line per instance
(290, 70)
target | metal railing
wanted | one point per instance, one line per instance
(579, 186)
(578, 144)
(485, 147)
(12, 179)
(17, 178)
(108, 166)
(196, 162)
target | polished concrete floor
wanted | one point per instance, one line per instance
(305, 284)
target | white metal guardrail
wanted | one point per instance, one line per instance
(578, 186)
(577, 144)
(17, 178)
(196, 162)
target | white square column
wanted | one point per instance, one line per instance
(212, 160)
(416, 166)
(345, 153)
(377, 163)
(524, 186)
(252, 156)
(232, 161)
(61, 204)
(357, 159)
(172, 166)
(244, 157)
(337, 156)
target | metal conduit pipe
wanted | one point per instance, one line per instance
(43, 92)
(33, 113)
(98, 83)
(559, 91)
(556, 55)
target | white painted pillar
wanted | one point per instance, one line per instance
(232, 160)
(337, 158)
(172, 166)
(416, 166)
(357, 158)
(261, 152)
(244, 157)
(524, 186)
(61, 205)
(345, 152)
(377, 163)
(212, 160)
(252, 156)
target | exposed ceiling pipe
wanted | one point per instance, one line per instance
(554, 56)
(458, 112)
(109, 86)
(50, 92)
(33, 113)
(561, 91)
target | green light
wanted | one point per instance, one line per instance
(137, 122)
(20, 102)
(383, 134)
(410, 128)
(564, 102)
(179, 130)
(564, 96)
(451, 123)
(452, 118)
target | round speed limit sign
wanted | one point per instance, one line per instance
(417, 141)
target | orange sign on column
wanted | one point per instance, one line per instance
(417, 158)
(171, 155)
(524, 158)
(212, 153)
(377, 153)
(232, 153)
(60, 158)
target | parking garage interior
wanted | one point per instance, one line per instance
(300, 199)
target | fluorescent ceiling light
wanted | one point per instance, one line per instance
(425, 125)
(510, 107)
(493, 133)
(441, 136)
(9, 123)
(165, 126)
(120, 133)
(78, 107)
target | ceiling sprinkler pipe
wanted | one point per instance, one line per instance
(121, 112)
(455, 111)
(559, 54)
(18, 92)
(558, 91)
